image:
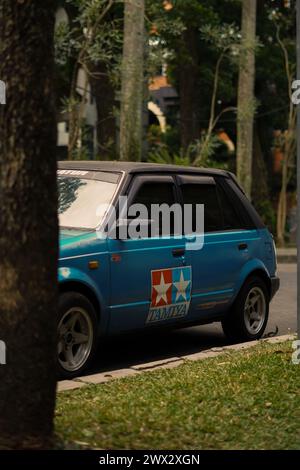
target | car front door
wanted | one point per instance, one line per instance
(150, 281)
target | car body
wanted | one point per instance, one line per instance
(142, 283)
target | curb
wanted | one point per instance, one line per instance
(286, 259)
(169, 363)
(286, 255)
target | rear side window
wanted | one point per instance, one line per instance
(231, 219)
(204, 194)
(219, 212)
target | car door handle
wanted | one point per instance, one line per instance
(242, 246)
(178, 252)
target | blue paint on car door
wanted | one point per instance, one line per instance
(217, 268)
(133, 260)
(228, 246)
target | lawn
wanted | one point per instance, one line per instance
(239, 400)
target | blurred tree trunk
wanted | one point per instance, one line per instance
(246, 99)
(188, 89)
(131, 125)
(104, 94)
(28, 221)
(260, 187)
(288, 166)
(289, 146)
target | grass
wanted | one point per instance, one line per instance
(239, 400)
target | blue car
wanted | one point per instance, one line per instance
(110, 283)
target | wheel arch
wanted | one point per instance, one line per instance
(81, 288)
(262, 274)
(254, 267)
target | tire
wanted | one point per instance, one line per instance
(77, 334)
(248, 317)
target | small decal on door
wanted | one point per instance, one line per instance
(170, 293)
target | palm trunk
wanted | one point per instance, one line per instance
(28, 221)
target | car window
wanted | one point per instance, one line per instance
(204, 194)
(230, 215)
(151, 193)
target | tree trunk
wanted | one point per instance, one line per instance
(246, 103)
(28, 221)
(260, 187)
(104, 94)
(281, 210)
(282, 201)
(189, 89)
(131, 125)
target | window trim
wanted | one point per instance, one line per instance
(139, 180)
(192, 179)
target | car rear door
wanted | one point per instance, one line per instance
(150, 282)
(229, 242)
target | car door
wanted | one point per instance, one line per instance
(228, 245)
(148, 273)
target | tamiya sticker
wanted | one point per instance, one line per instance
(170, 293)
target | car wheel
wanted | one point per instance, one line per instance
(249, 316)
(77, 338)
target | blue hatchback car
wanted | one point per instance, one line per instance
(111, 284)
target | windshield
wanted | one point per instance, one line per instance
(83, 202)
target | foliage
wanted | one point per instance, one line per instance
(162, 151)
(204, 17)
(216, 27)
(98, 40)
(271, 81)
(165, 157)
(92, 36)
(216, 40)
(223, 37)
(288, 143)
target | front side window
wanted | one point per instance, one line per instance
(155, 193)
(151, 195)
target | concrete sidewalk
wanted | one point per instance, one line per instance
(169, 363)
(286, 255)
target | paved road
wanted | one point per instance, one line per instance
(125, 351)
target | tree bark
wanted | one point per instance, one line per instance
(246, 104)
(131, 125)
(260, 187)
(288, 156)
(188, 89)
(104, 94)
(28, 221)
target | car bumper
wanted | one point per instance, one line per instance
(275, 283)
